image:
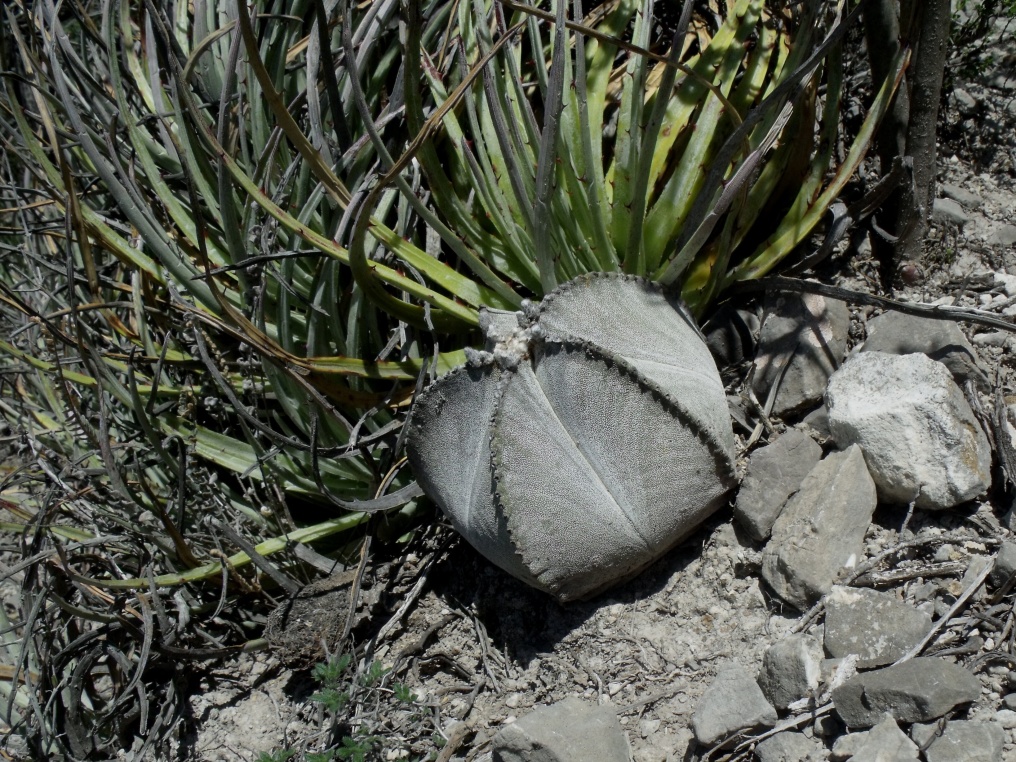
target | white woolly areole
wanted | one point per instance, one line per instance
(511, 351)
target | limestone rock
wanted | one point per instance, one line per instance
(1005, 564)
(919, 435)
(571, 730)
(787, 747)
(945, 210)
(965, 741)
(966, 198)
(733, 702)
(1005, 235)
(818, 421)
(790, 669)
(874, 625)
(886, 743)
(965, 103)
(775, 472)
(847, 746)
(810, 333)
(821, 529)
(918, 690)
(898, 334)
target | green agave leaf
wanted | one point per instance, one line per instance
(793, 230)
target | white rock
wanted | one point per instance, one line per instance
(1006, 718)
(919, 436)
(1006, 281)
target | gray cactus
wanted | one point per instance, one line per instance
(589, 438)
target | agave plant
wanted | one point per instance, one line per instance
(196, 380)
(554, 149)
(234, 239)
(551, 147)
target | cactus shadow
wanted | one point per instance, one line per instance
(528, 623)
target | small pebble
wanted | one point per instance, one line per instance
(990, 339)
(827, 726)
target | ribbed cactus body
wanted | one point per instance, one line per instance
(591, 437)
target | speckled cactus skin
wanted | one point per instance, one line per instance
(590, 438)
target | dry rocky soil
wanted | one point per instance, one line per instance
(474, 650)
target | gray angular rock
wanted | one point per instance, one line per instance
(847, 746)
(920, 438)
(1005, 235)
(810, 333)
(791, 669)
(1005, 281)
(818, 421)
(961, 741)
(827, 726)
(991, 339)
(571, 730)
(733, 702)
(787, 747)
(730, 335)
(967, 198)
(886, 743)
(1005, 564)
(945, 210)
(1006, 718)
(966, 104)
(898, 334)
(874, 625)
(918, 690)
(775, 472)
(821, 529)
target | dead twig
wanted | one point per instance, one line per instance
(934, 311)
(956, 607)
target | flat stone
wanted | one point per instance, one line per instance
(966, 741)
(821, 529)
(947, 211)
(791, 669)
(965, 197)
(571, 730)
(920, 438)
(775, 472)
(898, 334)
(918, 690)
(787, 747)
(807, 335)
(1005, 564)
(733, 702)
(886, 743)
(874, 625)
(1004, 235)
(991, 339)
